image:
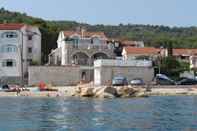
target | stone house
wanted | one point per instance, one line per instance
(20, 46)
(80, 48)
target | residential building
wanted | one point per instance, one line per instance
(187, 55)
(20, 46)
(80, 48)
(126, 43)
(131, 53)
(120, 44)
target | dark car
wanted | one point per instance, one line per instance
(119, 81)
(187, 81)
(162, 79)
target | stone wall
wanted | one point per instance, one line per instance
(10, 80)
(55, 75)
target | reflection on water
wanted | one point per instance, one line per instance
(146, 114)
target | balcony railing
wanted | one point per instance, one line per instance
(90, 46)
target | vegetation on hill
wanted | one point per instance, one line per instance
(152, 35)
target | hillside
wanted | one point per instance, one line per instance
(152, 35)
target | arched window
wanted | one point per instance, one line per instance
(8, 48)
(9, 35)
(9, 63)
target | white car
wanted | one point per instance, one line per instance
(137, 81)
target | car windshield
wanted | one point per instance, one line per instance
(119, 78)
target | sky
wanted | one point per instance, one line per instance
(110, 12)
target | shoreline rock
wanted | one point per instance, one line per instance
(106, 92)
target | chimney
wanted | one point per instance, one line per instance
(82, 32)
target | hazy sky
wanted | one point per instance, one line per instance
(159, 12)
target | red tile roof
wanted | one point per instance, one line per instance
(86, 34)
(128, 43)
(13, 26)
(177, 52)
(142, 51)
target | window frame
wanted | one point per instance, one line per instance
(9, 48)
(9, 35)
(6, 61)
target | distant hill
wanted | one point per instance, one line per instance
(152, 35)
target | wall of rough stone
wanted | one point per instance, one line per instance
(55, 75)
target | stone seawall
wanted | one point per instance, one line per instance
(55, 75)
(10, 80)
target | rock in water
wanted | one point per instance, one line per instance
(87, 92)
(126, 91)
(106, 92)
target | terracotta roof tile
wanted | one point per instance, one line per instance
(86, 34)
(177, 52)
(143, 51)
(12, 26)
(128, 43)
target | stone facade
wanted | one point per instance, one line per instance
(81, 48)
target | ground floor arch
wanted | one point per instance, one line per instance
(80, 58)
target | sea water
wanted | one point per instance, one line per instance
(174, 113)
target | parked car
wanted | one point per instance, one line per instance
(119, 81)
(187, 81)
(162, 79)
(137, 81)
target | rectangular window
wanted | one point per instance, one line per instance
(29, 37)
(9, 63)
(30, 61)
(29, 50)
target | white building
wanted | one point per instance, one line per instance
(106, 70)
(18, 42)
(132, 53)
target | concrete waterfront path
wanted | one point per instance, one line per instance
(70, 91)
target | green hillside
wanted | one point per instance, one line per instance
(152, 35)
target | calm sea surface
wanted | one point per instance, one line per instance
(59, 114)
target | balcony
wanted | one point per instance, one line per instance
(90, 46)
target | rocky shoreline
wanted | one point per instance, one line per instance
(107, 91)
